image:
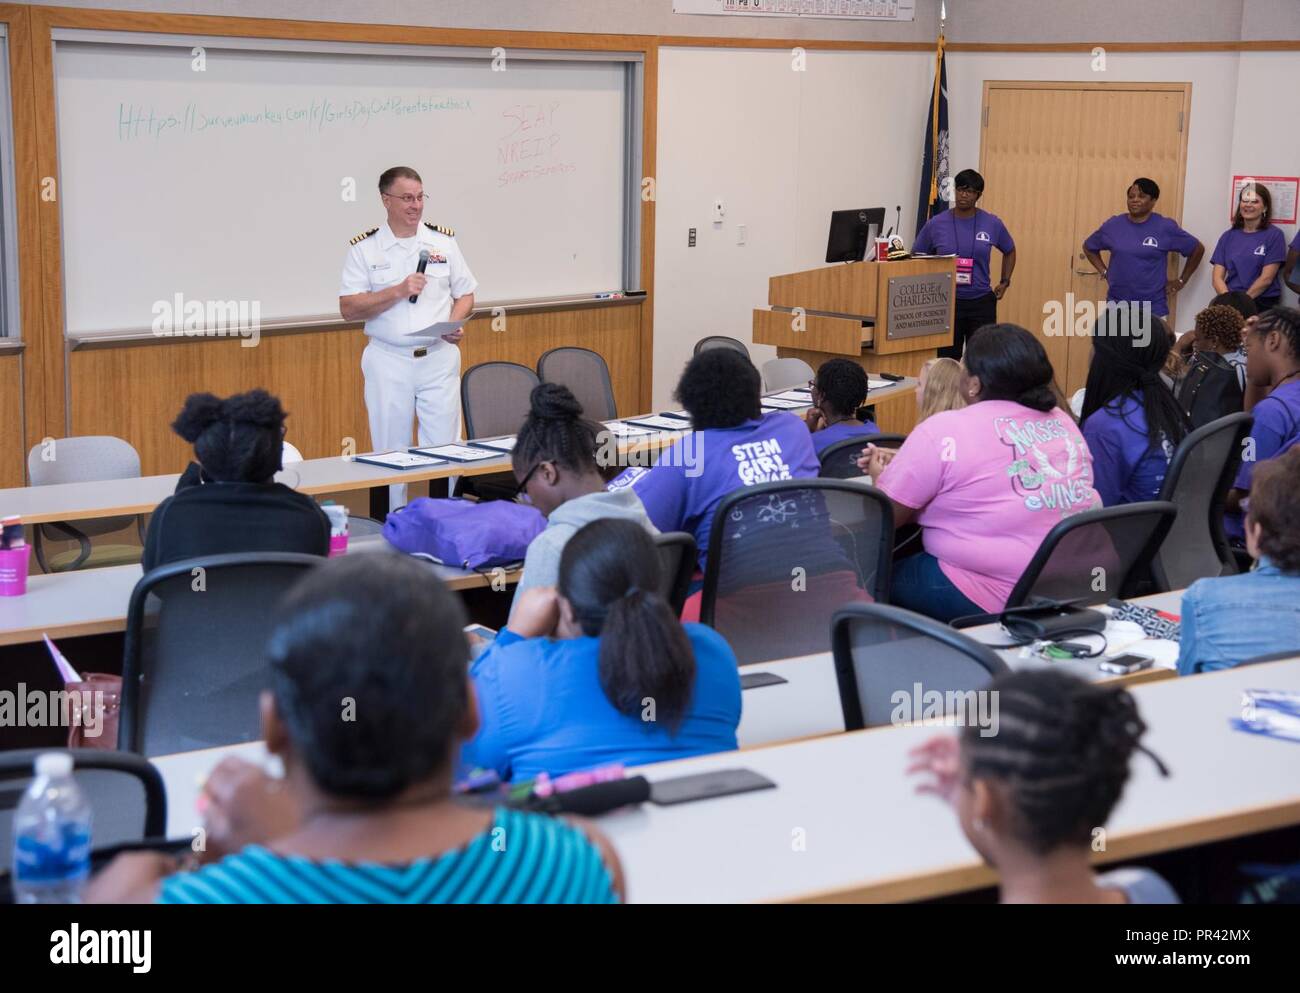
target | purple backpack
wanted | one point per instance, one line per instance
(464, 533)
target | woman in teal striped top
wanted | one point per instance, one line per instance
(368, 704)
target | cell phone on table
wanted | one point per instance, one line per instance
(1122, 665)
(708, 785)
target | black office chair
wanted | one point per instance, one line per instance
(194, 660)
(125, 793)
(881, 651)
(586, 375)
(721, 341)
(677, 555)
(494, 398)
(784, 556)
(1197, 483)
(840, 461)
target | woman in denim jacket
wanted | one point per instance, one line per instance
(1231, 619)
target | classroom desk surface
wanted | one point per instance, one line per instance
(94, 601)
(808, 703)
(845, 822)
(114, 497)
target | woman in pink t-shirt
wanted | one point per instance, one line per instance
(986, 482)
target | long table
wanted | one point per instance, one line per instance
(140, 495)
(845, 822)
(94, 601)
(807, 704)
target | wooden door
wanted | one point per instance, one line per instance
(1057, 159)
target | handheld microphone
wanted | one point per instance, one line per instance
(424, 261)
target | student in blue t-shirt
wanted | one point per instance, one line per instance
(1250, 254)
(733, 444)
(1139, 243)
(1273, 364)
(1290, 274)
(971, 235)
(838, 391)
(1131, 421)
(599, 671)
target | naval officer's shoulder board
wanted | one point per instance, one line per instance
(441, 229)
(362, 236)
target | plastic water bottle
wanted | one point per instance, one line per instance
(51, 835)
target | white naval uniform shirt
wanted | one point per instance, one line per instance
(380, 261)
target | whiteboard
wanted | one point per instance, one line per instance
(246, 179)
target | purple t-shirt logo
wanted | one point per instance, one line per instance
(1035, 479)
(760, 462)
(1150, 243)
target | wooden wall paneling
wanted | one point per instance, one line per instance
(613, 331)
(13, 449)
(135, 391)
(27, 200)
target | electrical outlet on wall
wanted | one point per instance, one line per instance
(718, 211)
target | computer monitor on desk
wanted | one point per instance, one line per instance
(854, 233)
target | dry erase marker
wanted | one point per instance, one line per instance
(609, 296)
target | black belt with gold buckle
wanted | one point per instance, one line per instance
(421, 353)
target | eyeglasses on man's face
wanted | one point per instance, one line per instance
(409, 198)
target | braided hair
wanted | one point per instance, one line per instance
(237, 440)
(1062, 752)
(555, 431)
(1284, 320)
(843, 385)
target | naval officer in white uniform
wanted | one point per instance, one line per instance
(405, 381)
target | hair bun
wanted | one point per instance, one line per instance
(256, 407)
(551, 401)
(1038, 397)
(200, 412)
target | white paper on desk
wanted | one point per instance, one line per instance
(457, 453)
(661, 422)
(496, 444)
(621, 430)
(802, 397)
(777, 403)
(437, 330)
(879, 384)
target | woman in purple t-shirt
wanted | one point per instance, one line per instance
(1250, 254)
(838, 391)
(1139, 243)
(1289, 274)
(1131, 421)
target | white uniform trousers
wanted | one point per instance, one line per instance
(400, 387)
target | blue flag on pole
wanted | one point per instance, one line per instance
(935, 177)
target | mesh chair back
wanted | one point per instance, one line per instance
(781, 374)
(1090, 557)
(881, 652)
(85, 459)
(840, 461)
(194, 660)
(1197, 483)
(494, 398)
(721, 341)
(586, 375)
(677, 555)
(784, 556)
(124, 791)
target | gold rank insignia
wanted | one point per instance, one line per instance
(449, 232)
(363, 236)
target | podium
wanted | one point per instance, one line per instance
(886, 316)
